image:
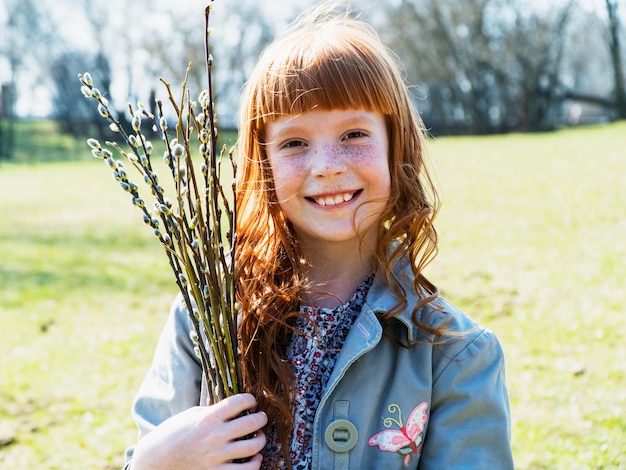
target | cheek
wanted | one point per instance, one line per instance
(286, 175)
(374, 162)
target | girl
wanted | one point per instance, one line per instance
(352, 359)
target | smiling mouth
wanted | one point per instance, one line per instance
(335, 199)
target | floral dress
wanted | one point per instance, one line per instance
(313, 351)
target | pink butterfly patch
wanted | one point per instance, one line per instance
(408, 439)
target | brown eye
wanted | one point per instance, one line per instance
(292, 144)
(355, 134)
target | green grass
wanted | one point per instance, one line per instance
(532, 245)
(40, 141)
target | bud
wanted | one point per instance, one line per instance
(86, 91)
(136, 122)
(97, 153)
(114, 127)
(204, 137)
(87, 80)
(178, 150)
(204, 98)
(93, 143)
(103, 111)
(111, 162)
(163, 123)
(194, 336)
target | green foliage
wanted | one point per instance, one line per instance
(532, 246)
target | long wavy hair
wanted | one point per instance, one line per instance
(326, 59)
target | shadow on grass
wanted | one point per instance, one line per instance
(48, 266)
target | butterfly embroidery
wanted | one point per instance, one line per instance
(407, 440)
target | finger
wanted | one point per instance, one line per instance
(245, 448)
(244, 426)
(253, 464)
(231, 407)
(251, 423)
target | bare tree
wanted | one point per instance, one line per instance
(23, 31)
(485, 65)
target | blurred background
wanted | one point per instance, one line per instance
(525, 100)
(476, 67)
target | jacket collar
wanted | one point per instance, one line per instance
(380, 299)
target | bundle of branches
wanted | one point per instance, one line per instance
(196, 224)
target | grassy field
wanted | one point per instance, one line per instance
(532, 245)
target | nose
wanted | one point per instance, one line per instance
(328, 160)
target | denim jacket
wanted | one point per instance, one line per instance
(434, 405)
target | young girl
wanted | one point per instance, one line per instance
(352, 359)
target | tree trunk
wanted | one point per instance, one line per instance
(616, 57)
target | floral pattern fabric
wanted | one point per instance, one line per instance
(313, 352)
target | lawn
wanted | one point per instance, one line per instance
(532, 245)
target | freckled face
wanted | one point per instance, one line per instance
(331, 172)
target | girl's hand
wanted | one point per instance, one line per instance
(205, 437)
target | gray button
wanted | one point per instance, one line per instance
(341, 435)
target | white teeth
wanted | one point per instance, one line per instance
(334, 200)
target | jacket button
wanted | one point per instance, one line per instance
(341, 435)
